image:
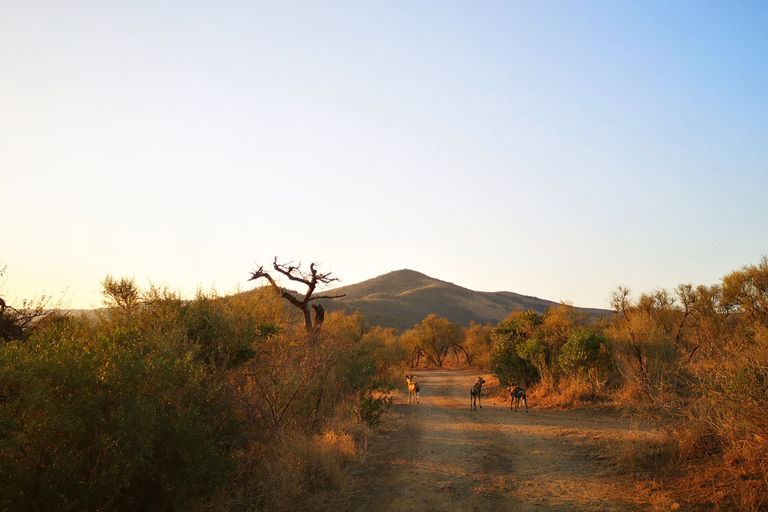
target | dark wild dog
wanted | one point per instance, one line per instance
(474, 394)
(413, 389)
(517, 393)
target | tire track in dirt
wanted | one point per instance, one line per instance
(440, 456)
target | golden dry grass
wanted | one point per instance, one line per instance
(296, 472)
(567, 394)
(691, 464)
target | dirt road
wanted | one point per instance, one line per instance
(440, 456)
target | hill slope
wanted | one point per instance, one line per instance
(403, 298)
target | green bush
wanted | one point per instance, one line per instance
(534, 352)
(370, 408)
(105, 423)
(586, 354)
(508, 362)
(372, 393)
(509, 367)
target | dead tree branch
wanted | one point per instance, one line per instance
(310, 279)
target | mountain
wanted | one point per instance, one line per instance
(403, 298)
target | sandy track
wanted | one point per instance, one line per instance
(440, 456)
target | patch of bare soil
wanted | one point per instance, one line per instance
(440, 456)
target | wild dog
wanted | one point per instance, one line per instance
(517, 393)
(413, 389)
(474, 394)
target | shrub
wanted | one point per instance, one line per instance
(739, 390)
(370, 408)
(508, 362)
(105, 424)
(509, 367)
(587, 355)
(372, 393)
(300, 472)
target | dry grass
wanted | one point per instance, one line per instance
(690, 465)
(717, 476)
(567, 394)
(730, 481)
(697, 460)
(298, 472)
(641, 452)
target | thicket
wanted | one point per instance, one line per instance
(159, 403)
(563, 355)
(695, 359)
(434, 339)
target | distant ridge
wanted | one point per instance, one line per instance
(403, 298)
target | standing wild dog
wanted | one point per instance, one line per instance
(517, 393)
(413, 389)
(474, 394)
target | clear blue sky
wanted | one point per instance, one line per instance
(551, 148)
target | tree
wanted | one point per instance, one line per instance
(587, 354)
(558, 325)
(310, 279)
(650, 333)
(15, 322)
(478, 343)
(9, 323)
(510, 338)
(433, 338)
(709, 324)
(120, 293)
(747, 291)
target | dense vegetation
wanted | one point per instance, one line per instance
(695, 359)
(163, 404)
(230, 403)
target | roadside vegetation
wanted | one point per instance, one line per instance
(246, 402)
(692, 359)
(159, 403)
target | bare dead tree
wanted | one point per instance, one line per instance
(9, 327)
(311, 280)
(16, 322)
